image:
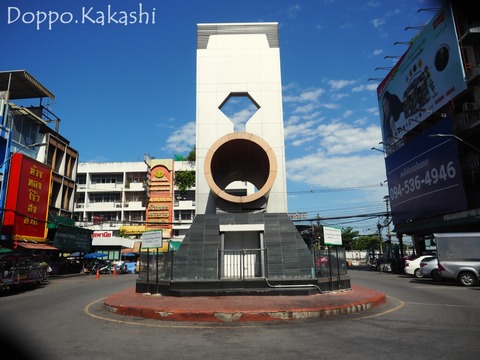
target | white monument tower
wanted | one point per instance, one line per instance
(240, 241)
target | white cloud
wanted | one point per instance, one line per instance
(377, 23)
(182, 140)
(321, 171)
(340, 84)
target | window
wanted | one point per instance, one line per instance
(104, 197)
(81, 179)
(107, 178)
(185, 215)
(24, 130)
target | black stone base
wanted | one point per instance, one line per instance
(260, 286)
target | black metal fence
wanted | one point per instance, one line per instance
(242, 264)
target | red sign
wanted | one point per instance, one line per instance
(28, 197)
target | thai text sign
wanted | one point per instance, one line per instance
(27, 201)
(152, 239)
(332, 236)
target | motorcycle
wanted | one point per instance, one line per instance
(374, 264)
(102, 269)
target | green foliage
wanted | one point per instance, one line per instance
(348, 237)
(184, 180)
(365, 242)
(192, 155)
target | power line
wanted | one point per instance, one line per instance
(353, 188)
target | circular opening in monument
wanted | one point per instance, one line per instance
(240, 157)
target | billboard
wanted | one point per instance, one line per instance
(424, 176)
(427, 76)
(28, 196)
(71, 238)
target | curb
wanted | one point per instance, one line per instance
(244, 308)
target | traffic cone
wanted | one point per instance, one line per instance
(98, 274)
(114, 270)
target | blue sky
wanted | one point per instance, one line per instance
(123, 91)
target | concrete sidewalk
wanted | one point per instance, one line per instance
(242, 308)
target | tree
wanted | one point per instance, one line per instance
(365, 242)
(192, 155)
(184, 180)
(348, 237)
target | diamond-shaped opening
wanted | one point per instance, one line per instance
(239, 108)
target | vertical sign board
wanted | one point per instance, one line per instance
(159, 209)
(332, 236)
(427, 77)
(28, 197)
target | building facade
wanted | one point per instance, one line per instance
(430, 115)
(28, 136)
(122, 197)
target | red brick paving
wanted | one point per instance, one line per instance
(242, 308)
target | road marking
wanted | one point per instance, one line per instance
(162, 324)
(398, 307)
(447, 305)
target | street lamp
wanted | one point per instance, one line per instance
(421, 27)
(20, 149)
(374, 148)
(456, 137)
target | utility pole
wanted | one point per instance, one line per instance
(387, 202)
(379, 226)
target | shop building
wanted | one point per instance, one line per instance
(430, 111)
(36, 160)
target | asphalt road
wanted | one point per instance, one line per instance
(65, 319)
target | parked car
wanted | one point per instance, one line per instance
(429, 269)
(412, 267)
(459, 257)
(467, 273)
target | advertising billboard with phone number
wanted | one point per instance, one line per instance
(424, 176)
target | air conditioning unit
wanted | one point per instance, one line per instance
(470, 106)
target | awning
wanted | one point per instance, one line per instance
(37, 246)
(23, 85)
(128, 251)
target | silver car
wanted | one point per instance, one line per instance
(465, 272)
(429, 269)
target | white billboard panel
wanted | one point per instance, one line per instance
(152, 239)
(332, 236)
(427, 77)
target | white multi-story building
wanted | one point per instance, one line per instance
(113, 196)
